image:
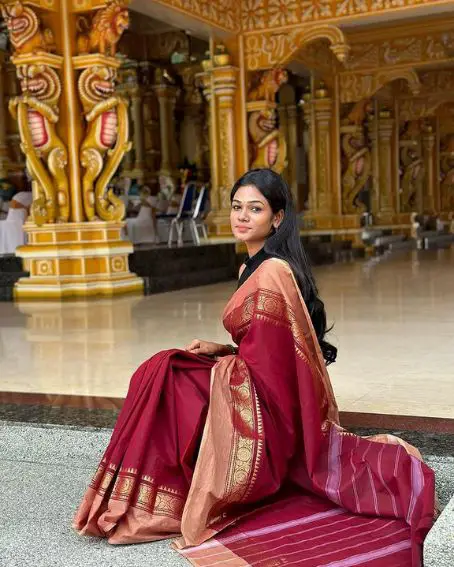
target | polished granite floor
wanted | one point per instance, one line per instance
(45, 471)
(393, 323)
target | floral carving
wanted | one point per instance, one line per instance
(222, 13)
(282, 12)
(348, 7)
(316, 9)
(253, 16)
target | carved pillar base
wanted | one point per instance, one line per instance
(76, 260)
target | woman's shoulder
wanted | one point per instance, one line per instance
(276, 269)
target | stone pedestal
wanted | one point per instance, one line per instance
(76, 260)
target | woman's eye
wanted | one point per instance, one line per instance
(256, 209)
(236, 207)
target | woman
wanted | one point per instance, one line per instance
(239, 450)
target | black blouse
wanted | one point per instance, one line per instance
(252, 264)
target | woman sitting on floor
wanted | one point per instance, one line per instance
(242, 445)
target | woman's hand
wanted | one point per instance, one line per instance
(208, 349)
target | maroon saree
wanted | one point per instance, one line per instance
(244, 461)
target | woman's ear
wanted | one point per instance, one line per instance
(278, 218)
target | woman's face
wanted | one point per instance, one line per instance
(251, 216)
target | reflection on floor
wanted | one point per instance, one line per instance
(393, 324)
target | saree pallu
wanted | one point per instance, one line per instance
(244, 460)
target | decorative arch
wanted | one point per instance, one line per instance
(409, 75)
(356, 86)
(338, 42)
(267, 49)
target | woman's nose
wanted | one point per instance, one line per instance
(243, 216)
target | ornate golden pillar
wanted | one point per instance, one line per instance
(167, 97)
(223, 82)
(372, 128)
(3, 143)
(428, 144)
(292, 145)
(385, 164)
(150, 117)
(191, 129)
(138, 138)
(74, 132)
(309, 147)
(323, 109)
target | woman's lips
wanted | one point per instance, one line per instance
(242, 228)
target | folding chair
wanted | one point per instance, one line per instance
(184, 213)
(197, 220)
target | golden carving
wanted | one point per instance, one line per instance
(269, 148)
(405, 50)
(107, 134)
(222, 13)
(265, 50)
(270, 82)
(105, 30)
(447, 173)
(25, 31)
(36, 111)
(357, 157)
(257, 15)
(412, 166)
(268, 144)
(357, 86)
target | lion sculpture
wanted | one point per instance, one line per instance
(105, 30)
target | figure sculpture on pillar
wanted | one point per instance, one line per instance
(36, 111)
(104, 31)
(268, 144)
(270, 82)
(357, 158)
(269, 147)
(412, 166)
(24, 29)
(447, 173)
(107, 135)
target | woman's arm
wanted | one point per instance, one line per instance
(210, 349)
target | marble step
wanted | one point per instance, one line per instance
(439, 543)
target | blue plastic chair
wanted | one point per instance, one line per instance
(184, 214)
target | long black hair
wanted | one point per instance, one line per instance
(285, 243)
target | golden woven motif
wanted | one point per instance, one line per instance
(248, 435)
(139, 492)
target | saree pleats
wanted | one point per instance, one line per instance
(248, 452)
